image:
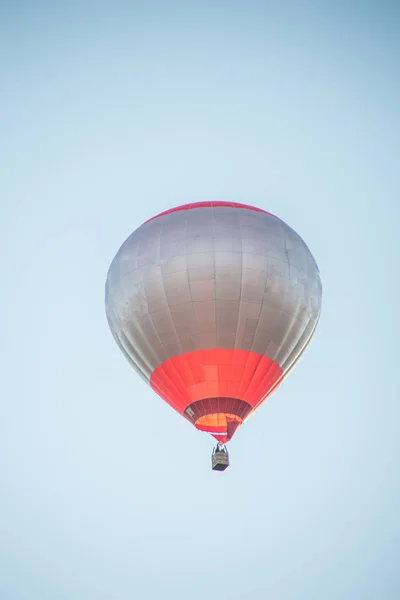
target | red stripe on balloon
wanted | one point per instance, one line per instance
(209, 204)
(216, 373)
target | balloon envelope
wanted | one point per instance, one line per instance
(213, 303)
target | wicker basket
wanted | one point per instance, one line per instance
(220, 461)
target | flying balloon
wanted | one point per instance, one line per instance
(213, 304)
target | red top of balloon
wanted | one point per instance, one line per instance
(208, 204)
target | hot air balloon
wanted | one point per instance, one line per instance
(213, 304)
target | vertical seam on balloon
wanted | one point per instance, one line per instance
(291, 325)
(289, 332)
(254, 338)
(170, 314)
(293, 321)
(136, 354)
(187, 268)
(132, 345)
(257, 326)
(190, 296)
(214, 273)
(150, 316)
(179, 393)
(200, 355)
(241, 282)
(294, 317)
(143, 360)
(137, 368)
(210, 206)
(295, 360)
(261, 356)
(163, 285)
(267, 377)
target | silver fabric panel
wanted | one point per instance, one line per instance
(213, 277)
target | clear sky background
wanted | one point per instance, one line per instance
(110, 113)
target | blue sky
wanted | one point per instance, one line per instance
(110, 113)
